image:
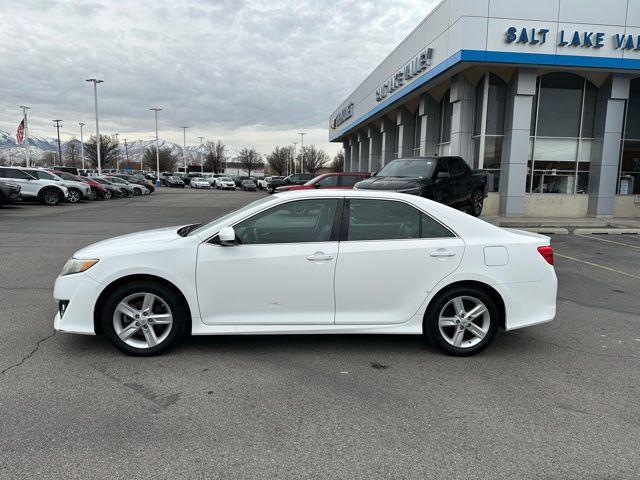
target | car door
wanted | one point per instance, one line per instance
(391, 256)
(29, 186)
(442, 182)
(457, 181)
(281, 271)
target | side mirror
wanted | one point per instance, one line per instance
(443, 175)
(317, 185)
(227, 236)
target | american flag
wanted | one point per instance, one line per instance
(20, 132)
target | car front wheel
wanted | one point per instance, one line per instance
(106, 195)
(143, 318)
(477, 202)
(74, 196)
(462, 321)
(50, 196)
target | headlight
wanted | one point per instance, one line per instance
(76, 265)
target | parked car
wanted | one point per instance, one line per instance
(132, 188)
(113, 190)
(186, 179)
(137, 179)
(95, 189)
(448, 275)
(200, 183)
(341, 181)
(248, 186)
(47, 192)
(263, 183)
(225, 183)
(77, 190)
(448, 180)
(173, 182)
(294, 179)
(9, 192)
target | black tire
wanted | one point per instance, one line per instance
(125, 192)
(50, 196)
(75, 195)
(137, 192)
(477, 203)
(169, 296)
(434, 334)
(93, 195)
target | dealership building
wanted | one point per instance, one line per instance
(542, 95)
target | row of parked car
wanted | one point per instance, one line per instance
(53, 186)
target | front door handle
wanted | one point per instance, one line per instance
(319, 257)
(442, 253)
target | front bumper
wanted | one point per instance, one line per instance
(81, 293)
(14, 196)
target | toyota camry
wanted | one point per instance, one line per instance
(355, 262)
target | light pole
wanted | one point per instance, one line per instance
(126, 150)
(293, 160)
(57, 125)
(26, 134)
(302, 134)
(81, 144)
(157, 146)
(118, 151)
(184, 147)
(95, 96)
(201, 144)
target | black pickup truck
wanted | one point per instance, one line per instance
(293, 179)
(447, 180)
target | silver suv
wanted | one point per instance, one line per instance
(48, 192)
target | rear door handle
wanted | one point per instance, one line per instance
(442, 253)
(319, 257)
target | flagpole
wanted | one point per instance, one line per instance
(26, 134)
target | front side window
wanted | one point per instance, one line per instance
(13, 173)
(350, 180)
(301, 221)
(390, 220)
(330, 181)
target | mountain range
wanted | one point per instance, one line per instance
(10, 150)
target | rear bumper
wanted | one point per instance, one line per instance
(529, 303)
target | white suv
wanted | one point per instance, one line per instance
(49, 192)
(77, 190)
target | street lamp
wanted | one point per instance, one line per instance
(81, 144)
(302, 134)
(201, 143)
(293, 160)
(57, 125)
(117, 135)
(157, 147)
(95, 97)
(184, 147)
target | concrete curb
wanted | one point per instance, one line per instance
(545, 230)
(606, 231)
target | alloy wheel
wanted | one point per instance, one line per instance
(74, 196)
(51, 197)
(143, 320)
(92, 195)
(107, 195)
(464, 322)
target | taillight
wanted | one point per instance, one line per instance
(547, 253)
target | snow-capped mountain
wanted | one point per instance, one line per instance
(9, 148)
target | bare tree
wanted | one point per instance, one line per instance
(48, 159)
(313, 159)
(338, 162)
(109, 150)
(249, 159)
(71, 153)
(214, 159)
(168, 160)
(279, 160)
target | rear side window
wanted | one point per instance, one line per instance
(330, 181)
(455, 167)
(351, 180)
(390, 220)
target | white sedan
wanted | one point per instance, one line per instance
(314, 262)
(197, 182)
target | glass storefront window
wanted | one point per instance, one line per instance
(562, 132)
(629, 168)
(417, 125)
(446, 114)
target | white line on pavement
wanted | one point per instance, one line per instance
(597, 265)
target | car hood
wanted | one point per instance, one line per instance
(390, 183)
(130, 243)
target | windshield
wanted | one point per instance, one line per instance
(212, 223)
(408, 168)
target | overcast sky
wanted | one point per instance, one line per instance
(252, 73)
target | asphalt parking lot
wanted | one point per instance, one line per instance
(559, 400)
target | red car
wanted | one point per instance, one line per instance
(97, 190)
(328, 180)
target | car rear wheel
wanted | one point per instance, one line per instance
(462, 321)
(74, 195)
(93, 195)
(477, 202)
(50, 196)
(143, 318)
(137, 192)
(106, 195)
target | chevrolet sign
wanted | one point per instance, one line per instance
(415, 67)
